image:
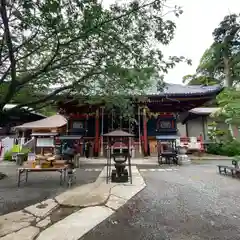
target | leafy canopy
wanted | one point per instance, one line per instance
(50, 47)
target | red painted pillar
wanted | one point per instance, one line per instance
(145, 131)
(96, 149)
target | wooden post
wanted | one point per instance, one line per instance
(121, 150)
(102, 126)
(129, 139)
(145, 131)
(97, 131)
(112, 119)
(86, 125)
(139, 130)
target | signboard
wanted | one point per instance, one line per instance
(166, 124)
(45, 142)
(77, 124)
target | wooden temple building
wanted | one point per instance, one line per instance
(155, 114)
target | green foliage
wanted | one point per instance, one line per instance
(229, 101)
(199, 80)
(220, 63)
(214, 133)
(237, 158)
(71, 47)
(228, 148)
(25, 150)
(8, 154)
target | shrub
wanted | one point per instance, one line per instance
(229, 148)
(7, 156)
(25, 151)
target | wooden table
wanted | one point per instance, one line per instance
(26, 170)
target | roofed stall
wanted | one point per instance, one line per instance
(44, 131)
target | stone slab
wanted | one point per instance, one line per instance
(76, 225)
(115, 202)
(14, 221)
(42, 209)
(28, 233)
(91, 195)
(44, 223)
(126, 192)
(84, 189)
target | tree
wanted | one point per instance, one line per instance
(220, 63)
(50, 47)
(222, 60)
(199, 80)
(229, 100)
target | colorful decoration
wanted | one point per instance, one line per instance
(155, 115)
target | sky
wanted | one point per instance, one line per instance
(194, 31)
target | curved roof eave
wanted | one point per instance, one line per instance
(178, 90)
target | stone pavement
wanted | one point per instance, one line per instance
(193, 203)
(71, 214)
(41, 186)
(148, 161)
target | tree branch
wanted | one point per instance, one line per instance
(5, 75)
(107, 21)
(55, 92)
(13, 84)
(9, 44)
(30, 77)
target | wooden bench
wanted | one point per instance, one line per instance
(223, 169)
(26, 170)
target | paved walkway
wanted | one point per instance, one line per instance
(72, 213)
(179, 203)
(40, 186)
(193, 203)
(152, 160)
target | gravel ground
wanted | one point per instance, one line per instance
(39, 187)
(191, 203)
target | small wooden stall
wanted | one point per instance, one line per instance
(42, 157)
(119, 159)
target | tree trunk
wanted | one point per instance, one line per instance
(228, 82)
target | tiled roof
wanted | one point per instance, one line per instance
(204, 110)
(10, 106)
(178, 89)
(55, 121)
(118, 133)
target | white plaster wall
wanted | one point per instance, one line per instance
(195, 127)
(182, 129)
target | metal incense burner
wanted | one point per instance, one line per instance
(120, 173)
(119, 156)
